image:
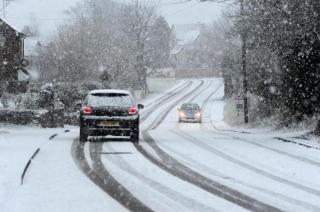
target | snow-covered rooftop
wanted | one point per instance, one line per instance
(186, 35)
(189, 37)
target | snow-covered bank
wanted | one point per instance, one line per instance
(53, 183)
(235, 119)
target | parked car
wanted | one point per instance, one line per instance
(109, 112)
(190, 112)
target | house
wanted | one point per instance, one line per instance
(12, 61)
(183, 39)
(38, 21)
(185, 42)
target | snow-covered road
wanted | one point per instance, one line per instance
(176, 167)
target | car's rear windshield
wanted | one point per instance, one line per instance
(109, 100)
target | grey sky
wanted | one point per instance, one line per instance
(190, 12)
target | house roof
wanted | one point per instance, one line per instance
(10, 26)
(185, 36)
(187, 33)
(189, 38)
(46, 15)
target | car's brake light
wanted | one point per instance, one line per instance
(87, 110)
(132, 110)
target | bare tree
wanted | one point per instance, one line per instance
(105, 38)
(139, 19)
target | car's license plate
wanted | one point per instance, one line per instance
(109, 124)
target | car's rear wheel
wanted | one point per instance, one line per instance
(134, 137)
(83, 135)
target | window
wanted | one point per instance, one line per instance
(109, 99)
(2, 39)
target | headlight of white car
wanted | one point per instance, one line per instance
(198, 114)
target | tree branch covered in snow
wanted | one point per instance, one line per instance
(283, 50)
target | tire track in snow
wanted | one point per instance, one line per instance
(293, 156)
(307, 205)
(102, 178)
(175, 168)
(220, 132)
(107, 183)
(281, 152)
(181, 171)
(168, 94)
(216, 151)
(147, 113)
(299, 158)
(217, 174)
(115, 189)
(176, 196)
(204, 89)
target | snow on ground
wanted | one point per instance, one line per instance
(53, 182)
(158, 189)
(281, 174)
(157, 86)
(271, 171)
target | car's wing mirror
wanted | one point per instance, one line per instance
(140, 106)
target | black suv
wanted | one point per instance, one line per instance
(109, 112)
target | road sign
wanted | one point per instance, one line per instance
(239, 102)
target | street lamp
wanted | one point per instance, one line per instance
(5, 3)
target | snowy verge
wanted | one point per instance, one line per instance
(235, 119)
(54, 182)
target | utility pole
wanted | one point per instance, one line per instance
(244, 65)
(4, 8)
(5, 3)
(243, 60)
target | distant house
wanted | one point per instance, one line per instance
(12, 60)
(183, 39)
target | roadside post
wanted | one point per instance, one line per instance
(239, 104)
(47, 102)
